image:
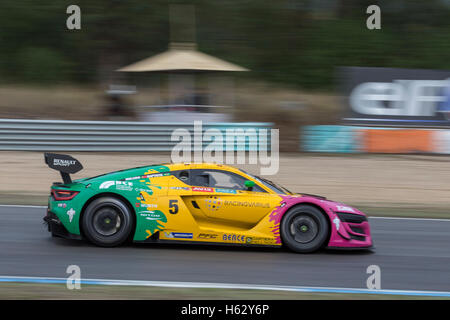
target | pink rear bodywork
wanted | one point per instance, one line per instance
(341, 233)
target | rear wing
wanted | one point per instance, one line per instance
(64, 164)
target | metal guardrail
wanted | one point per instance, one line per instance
(64, 135)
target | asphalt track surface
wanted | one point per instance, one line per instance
(412, 254)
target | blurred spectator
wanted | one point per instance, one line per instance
(117, 109)
(444, 107)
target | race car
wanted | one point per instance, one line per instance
(196, 203)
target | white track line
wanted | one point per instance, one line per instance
(22, 206)
(406, 218)
(174, 284)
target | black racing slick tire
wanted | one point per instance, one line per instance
(304, 229)
(107, 222)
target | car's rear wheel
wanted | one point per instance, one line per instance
(107, 222)
(304, 229)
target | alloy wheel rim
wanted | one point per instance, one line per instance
(304, 229)
(107, 221)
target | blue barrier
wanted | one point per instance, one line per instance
(330, 138)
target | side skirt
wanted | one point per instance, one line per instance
(155, 239)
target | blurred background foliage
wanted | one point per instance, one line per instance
(292, 42)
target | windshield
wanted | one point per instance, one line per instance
(270, 184)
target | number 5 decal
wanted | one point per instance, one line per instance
(173, 206)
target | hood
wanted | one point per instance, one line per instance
(323, 202)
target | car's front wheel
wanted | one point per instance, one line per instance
(304, 229)
(107, 222)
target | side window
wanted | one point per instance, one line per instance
(220, 179)
(182, 175)
(201, 179)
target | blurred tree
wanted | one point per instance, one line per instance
(41, 65)
(298, 42)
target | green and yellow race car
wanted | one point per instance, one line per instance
(196, 203)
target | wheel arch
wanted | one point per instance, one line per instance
(112, 195)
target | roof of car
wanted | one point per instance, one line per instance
(200, 165)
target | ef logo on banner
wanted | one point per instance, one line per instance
(374, 280)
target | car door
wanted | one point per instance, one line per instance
(224, 199)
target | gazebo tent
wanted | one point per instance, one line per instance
(182, 58)
(181, 62)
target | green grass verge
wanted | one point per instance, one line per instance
(25, 291)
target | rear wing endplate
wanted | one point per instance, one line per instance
(63, 163)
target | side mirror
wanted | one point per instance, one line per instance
(249, 184)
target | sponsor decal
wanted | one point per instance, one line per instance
(180, 188)
(152, 215)
(124, 186)
(233, 237)
(71, 213)
(107, 184)
(337, 222)
(132, 178)
(62, 205)
(63, 163)
(260, 240)
(202, 189)
(207, 236)
(213, 203)
(148, 205)
(120, 185)
(178, 235)
(156, 175)
(344, 208)
(145, 176)
(225, 190)
(250, 204)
